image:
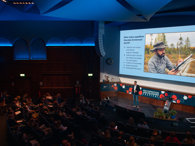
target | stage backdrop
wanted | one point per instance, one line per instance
(150, 93)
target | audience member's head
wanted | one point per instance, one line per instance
(107, 134)
(155, 136)
(131, 141)
(155, 132)
(112, 126)
(172, 138)
(65, 142)
(189, 138)
(131, 121)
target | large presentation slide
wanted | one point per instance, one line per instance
(162, 53)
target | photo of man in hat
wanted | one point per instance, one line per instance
(170, 53)
(159, 61)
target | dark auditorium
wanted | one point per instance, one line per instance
(97, 73)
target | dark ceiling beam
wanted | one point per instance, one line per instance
(57, 6)
(178, 4)
(189, 13)
(125, 4)
(185, 9)
(46, 6)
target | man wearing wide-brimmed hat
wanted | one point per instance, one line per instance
(159, 62)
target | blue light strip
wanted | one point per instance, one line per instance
(71, 44)
(38, 59)
(21, 58)
(6, 44)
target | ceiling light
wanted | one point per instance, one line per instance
(19, 2)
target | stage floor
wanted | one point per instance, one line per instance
(147, 109)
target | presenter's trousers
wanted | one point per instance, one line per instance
(135, 100)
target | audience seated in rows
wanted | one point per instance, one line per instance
(53, 121)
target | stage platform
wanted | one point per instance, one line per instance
(147, 109)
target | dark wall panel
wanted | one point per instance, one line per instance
(59, 73)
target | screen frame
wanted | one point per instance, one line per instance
(152, 76)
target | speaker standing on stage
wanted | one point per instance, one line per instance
(135, 92)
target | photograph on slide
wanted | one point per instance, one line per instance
(170, 53)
